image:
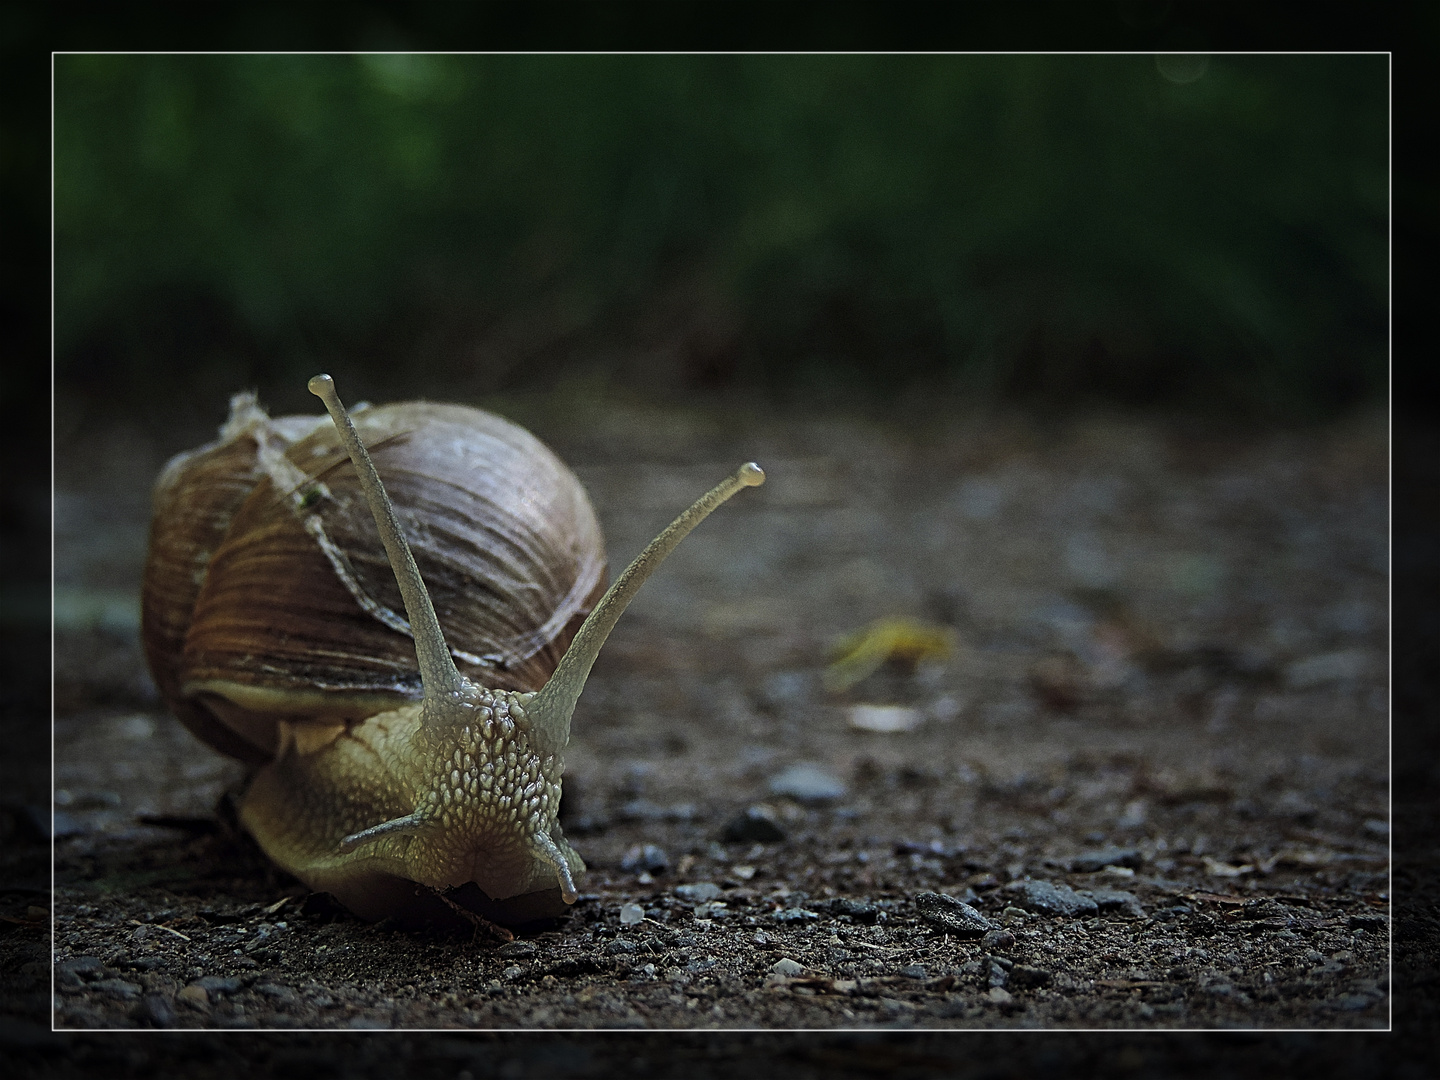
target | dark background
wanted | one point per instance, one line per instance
(807, 232)
(1204, 233)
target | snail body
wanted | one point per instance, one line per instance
(274, 636)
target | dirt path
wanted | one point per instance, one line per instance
(1155, 759)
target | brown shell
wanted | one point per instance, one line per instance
(268, 596)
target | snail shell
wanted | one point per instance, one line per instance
(268, 597)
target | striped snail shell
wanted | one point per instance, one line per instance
(267, 594)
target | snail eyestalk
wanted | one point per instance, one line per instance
(437, 671)
(407, 824)
(553, 706)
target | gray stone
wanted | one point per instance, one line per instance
(754, 824)
(861, 911)
(794, 915)
(1047, 898)
(787, 967)
(807, 783)
(951, 915)
(998, 939)
(699, 893)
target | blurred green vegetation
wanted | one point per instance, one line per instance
(1049, 228)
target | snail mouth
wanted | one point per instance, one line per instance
(541, 905)
(500, 872)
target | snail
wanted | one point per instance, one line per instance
(269, 624)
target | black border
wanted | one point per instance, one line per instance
(1409, 31)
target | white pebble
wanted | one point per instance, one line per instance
(787, 967)
(884, 719)
(630, 914)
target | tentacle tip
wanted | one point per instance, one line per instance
(750, 474)
(321, 385)
(568, 892)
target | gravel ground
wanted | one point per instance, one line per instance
(1154, 764)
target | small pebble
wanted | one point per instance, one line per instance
(884, 719)
(698, 893)
(630, 914)
(1047, 898)
(999, 995)
(755, 823)
(794, 915)
(913, 971)
(621, 946)
(516, 950)
(953, 916)
(787, 967)
(998, 939)
(861, 911)
(807, 783)
(512, 973)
